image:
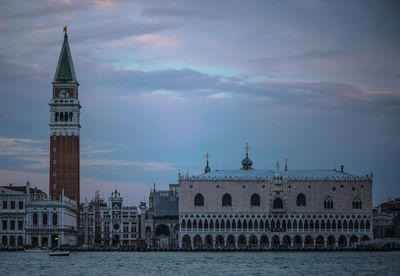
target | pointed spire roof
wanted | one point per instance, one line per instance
(65, 68)
(207, 169)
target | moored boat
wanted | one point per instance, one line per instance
(59, 253)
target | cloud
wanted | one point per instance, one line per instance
(145, 40)
(145, 166)
(21, 146)
(169, 12)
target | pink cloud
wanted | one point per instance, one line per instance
(146, 40)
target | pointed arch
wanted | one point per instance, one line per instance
(199, 200)
(255, 200)
(301, 200)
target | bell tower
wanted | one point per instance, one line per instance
(64, 128)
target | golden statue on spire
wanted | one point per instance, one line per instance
(65, 29)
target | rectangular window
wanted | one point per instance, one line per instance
(20, 225)
(12, 224)
(4, 204)
(4, 225)
(54, 148)
(12, 204)
(21, 205)
(54, 162)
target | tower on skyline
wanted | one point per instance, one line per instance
(64, 128)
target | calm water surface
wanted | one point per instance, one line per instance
(195, 263)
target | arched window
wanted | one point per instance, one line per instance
(35, 219)
(255, 200)
(55, 219)
(61, 116)
(301, 200)
(44, 219)
(227, 200)
(70, 116)
(199, 200)
(278, 203)
(328, 203)
(56, 117)
(66, 116)
(357, 204)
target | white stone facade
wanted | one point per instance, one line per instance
(13, 200)
(250, 208)
(51, 223)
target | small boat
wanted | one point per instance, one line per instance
(59, 253)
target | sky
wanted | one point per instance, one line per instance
(163, 82)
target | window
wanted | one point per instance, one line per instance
(357, 204)
(199, 200)
(278, 203)
(44, 219)
(35, 219)
(12, 224)
(54, 219)
(328, 203)
(56, 117)
(54, 148)
(4, 225)
(353, 188)
(20, 225)
(12, 204)
(54, 173)
(21, 205)
(301, 200)
(54, 162)
(333, 188)
(4, 204)
(227, 200)
(255, 200)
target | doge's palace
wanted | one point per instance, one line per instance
(281, 208)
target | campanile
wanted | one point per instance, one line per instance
(64, 128)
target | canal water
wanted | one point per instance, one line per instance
(202, 263)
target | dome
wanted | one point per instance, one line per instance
(246, 163)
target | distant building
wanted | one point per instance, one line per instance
(250, 208)
(162, 223)
(30, 219)
(387, 219)
(118, 225)
(51, 223)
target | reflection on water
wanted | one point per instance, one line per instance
(201, 263)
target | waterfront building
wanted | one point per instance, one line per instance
(30, 219)
(387, 219)
(249, 208)
(112, 225)
(162, 218)
(51, 223)
(13, 200)
(64, 128)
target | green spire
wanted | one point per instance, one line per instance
(65, 69)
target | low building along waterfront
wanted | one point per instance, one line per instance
(249, 208)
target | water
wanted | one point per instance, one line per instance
(201, 263)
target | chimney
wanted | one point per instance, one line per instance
(341, 168)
